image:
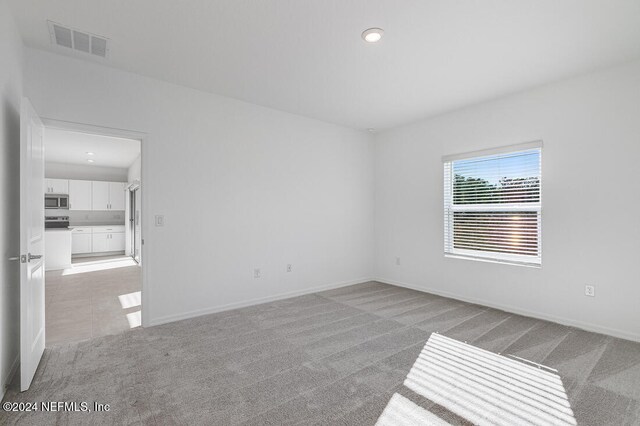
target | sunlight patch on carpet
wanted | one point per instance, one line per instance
(480, 386)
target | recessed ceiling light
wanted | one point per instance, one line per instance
(372, 35)
(371, 130)
(90, 160)
(89, 153)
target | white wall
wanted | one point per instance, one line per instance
(134, 172)
(84, 172)
(591, 202)
(240, 186)
(10, 95)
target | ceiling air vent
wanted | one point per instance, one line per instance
(78, 40)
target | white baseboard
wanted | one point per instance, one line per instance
(206, 311)
(9, 378)
(623, 334)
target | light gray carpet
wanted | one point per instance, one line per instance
(335, 357)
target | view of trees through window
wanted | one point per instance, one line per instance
(470, 190)
(494, 204)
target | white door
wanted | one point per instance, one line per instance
(79, 195)
(116, 196)
(32, 187)
(100, 195)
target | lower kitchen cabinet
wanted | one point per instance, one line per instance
(80, 243)
(104, 242)
(100, 243)
(98, 239)
(116, 242)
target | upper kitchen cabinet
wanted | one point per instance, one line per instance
(80, 195)
(100, 196)
(56, 186)
(116, 195)
(108, 195)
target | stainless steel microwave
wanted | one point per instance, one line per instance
(56, 201)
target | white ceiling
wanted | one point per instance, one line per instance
(307, 57)
(62, 146)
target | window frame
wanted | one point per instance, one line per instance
(450, 208)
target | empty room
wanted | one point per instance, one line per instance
(322, 212)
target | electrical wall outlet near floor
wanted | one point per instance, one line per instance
(590, 291)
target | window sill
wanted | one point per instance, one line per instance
(489, 260)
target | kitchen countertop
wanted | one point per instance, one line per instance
(72, 227)
(93, 226)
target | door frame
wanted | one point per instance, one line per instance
(143, 137)
(133, 195)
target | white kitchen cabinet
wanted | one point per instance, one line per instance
(116, 195)
(100, 242)
(107, 229)
(56, 186)
(80, 195)
(108, 238)
(99, 195)
(115, 242)
(81, 243)
(108, 195)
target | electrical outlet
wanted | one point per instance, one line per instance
(590, 291)
(257, 273)
(289, 268)
(397, 261)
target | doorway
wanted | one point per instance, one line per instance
(93, 281)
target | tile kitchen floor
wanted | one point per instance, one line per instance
(96, 297)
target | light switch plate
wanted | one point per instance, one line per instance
(159, 220)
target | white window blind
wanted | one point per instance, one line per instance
(493, 205)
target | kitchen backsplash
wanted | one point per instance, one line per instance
(89, 217)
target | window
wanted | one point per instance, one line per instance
(493, 205)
